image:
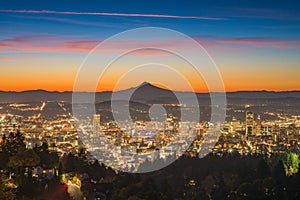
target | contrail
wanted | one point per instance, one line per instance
(108, 14)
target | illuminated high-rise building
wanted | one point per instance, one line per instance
(14, 122)
(258, 125)
(96, 122)
(249, 123)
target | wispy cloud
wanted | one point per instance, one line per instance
(109, 14)
(54, 44)
(4, 45)
(253, 42)
(57, 44)
(45, 44)
(276, 43)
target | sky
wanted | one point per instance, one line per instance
(255, 44)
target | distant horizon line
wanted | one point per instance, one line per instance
(110, 91)
(151, 84)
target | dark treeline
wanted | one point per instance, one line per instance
(231, 176)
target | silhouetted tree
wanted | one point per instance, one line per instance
(5, 192)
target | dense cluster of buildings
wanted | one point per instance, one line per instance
(127, 145)
(258, 136)
(58, 132)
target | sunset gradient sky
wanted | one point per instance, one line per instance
(256, 45)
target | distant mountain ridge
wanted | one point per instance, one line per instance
(144, 92)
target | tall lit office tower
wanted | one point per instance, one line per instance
(14, 122)
(249, 123)
(258, 125)
(96, 122)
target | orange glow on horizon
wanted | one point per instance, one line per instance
(67, 87)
